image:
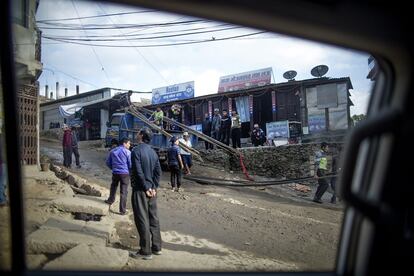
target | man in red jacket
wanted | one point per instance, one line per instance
(67, 146)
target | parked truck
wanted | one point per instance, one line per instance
(123, 124)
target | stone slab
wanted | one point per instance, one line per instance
(35, 261)
(104, 228)
(56, 241)
(90, 257)
(95, 206)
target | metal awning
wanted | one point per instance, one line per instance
(69, 110)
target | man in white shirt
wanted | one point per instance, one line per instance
(186, 156)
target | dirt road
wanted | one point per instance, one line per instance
(248, 228)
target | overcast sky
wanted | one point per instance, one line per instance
(142, 69)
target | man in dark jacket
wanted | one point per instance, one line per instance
(67, 146)
(119, 161)
(206, 128)
(215, 125)
(145, 179)
(225, 128)
(75, 146)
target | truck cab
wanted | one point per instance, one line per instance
(123, 124)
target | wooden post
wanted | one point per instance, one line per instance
(66, 92)
(230, 105)
(274, 109)
(77, 89)
(251, 111)
(47, 91)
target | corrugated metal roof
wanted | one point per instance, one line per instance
(78, 96)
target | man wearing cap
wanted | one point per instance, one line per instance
(186, 156)
(67, 146)
(215, 125)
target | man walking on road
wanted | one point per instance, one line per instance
(321, 169)
(67, 146)
(119, 161)
(145, 179)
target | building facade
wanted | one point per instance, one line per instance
(27, 53)
(95, 108)
(321, 105)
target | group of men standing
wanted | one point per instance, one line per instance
(140, 167)
(222, 127)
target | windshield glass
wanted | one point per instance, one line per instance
(261, 120)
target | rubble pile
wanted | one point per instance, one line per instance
(290, 161)
(78, 184)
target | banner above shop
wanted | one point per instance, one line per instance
(172, 93)
(245, 80)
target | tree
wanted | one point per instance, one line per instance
(356, 118)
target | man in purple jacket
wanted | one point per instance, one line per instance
(119, 161)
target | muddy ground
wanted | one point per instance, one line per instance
(271, 224)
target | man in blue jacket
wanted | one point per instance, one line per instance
(145, 180)
(119, 161)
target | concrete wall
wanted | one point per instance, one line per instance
(25, 40)
(291, 161)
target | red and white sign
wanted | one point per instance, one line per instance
(245, 80)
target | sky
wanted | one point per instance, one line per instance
(145, 68)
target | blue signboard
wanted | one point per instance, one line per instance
(172, 93)
(317, 123)
(278, 129)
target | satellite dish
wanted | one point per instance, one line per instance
(290, 75)
(319, 71)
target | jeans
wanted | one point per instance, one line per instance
(175, 176)
(67, 156)
(235, 137)
(225, 136)
(124, 180)
(75, 151)
(322, 185)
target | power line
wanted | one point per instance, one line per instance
(71, 76)
(144, 38)
(184, 31)
(159, 45)
(97, 57)
(73, 27)
(93, 16)
(146, 60)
